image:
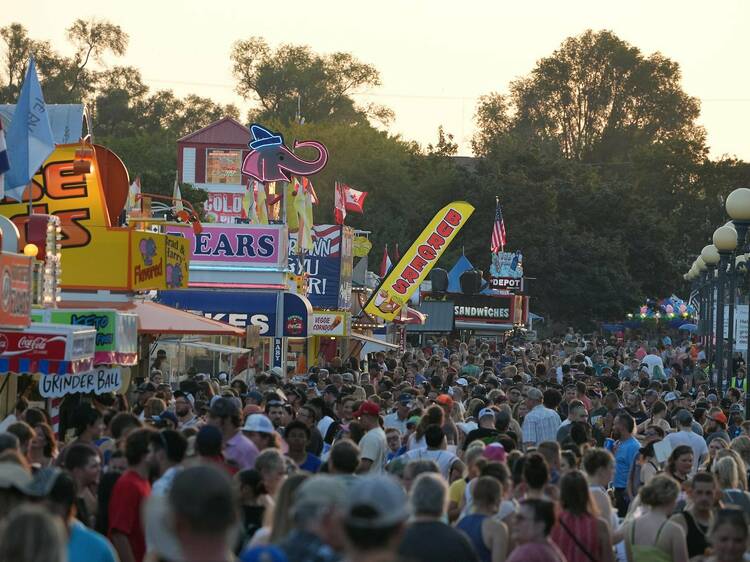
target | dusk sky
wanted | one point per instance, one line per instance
(435, 57)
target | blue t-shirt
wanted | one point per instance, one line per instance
(625, 455)
(311, 464)
(85, 545)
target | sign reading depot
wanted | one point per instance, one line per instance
(98, 381)
(95, 254)
(413, 267)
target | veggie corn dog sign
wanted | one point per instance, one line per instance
(399, 285)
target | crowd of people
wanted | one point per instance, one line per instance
(570, 449)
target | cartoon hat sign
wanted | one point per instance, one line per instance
(271, 160)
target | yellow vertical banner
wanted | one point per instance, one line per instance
(147, 270)
(406, 276)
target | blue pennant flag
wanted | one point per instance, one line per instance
(29, 138)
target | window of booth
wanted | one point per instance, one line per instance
(223, 166)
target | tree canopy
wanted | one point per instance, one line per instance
(597, 157)
(292, 82)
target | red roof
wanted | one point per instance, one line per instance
(224, 131)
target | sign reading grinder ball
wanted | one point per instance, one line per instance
(15, 291)
(98, 381)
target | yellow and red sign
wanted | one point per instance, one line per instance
(413, 267)
(95, 254)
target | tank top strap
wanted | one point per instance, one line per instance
(658, 533)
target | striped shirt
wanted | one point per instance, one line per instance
(540, 424)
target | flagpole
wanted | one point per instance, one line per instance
(497, 204)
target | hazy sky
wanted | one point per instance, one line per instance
(435, 57)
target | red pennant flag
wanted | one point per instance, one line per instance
(339, 203)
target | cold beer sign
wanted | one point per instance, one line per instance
(404, 279)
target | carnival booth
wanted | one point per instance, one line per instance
(83, 261)
(263, 266)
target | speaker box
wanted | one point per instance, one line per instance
(439, 278)
(471, 281)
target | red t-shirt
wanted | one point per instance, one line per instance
(125, 506)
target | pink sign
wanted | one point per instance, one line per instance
(223, 207)
(238, 244)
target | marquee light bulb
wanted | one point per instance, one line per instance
(30, 250)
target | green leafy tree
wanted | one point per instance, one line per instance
(597, 97)
(292, 82)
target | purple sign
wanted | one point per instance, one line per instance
(240, 244)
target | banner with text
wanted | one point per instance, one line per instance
(98, 381)
(413, 267)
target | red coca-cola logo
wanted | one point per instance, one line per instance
(32, 343)
(3, 343)
(295, 325)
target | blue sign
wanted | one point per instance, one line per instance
(278, 352)
(328, 266)
(245, 308)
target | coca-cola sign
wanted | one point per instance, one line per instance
(33, 346)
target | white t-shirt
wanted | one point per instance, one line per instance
(374, 447)
(691, 439)
(651, 361)
(444, 459)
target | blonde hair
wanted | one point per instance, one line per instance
(281, 518)
(661, 490)
(741, 445)
(30, 534)
(741, 466)
(726, 472)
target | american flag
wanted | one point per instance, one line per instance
(497, 243)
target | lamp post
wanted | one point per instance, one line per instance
(738, 209)
(703, 319)
(725, 242)
(711, 257)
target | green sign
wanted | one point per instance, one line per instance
(116, 332)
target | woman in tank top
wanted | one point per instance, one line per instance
(580, 534)
(652, 537)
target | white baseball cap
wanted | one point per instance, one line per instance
(258, 423)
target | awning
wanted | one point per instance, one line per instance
(154, 318)
(228, 349)
(439, 317)
(374, 342)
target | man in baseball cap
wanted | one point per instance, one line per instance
(398, 418)
(225, 414)
(373, 446)
(375, 516)
(486, 431)
(317, 513)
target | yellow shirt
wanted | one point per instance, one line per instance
(456, 491)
